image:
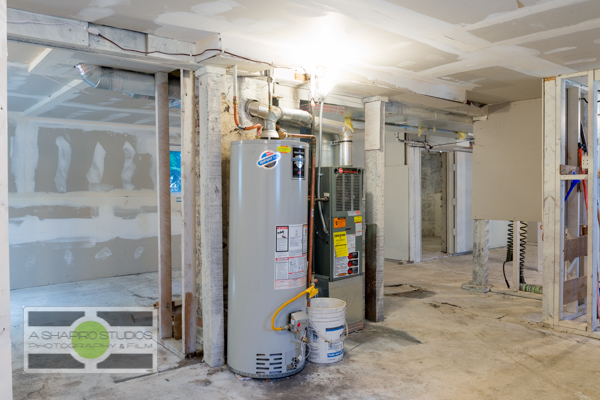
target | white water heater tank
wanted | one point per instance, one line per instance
(268, 246)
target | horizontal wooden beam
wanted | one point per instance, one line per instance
(70, 34)
(576, 247)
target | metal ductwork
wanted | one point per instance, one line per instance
(304, 119)
(134, 84)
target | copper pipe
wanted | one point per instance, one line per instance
(311, 224)
(258, 127)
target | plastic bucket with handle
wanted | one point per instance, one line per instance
(327, 330)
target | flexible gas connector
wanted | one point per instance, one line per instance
(311, 291)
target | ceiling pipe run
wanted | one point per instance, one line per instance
(134, 84)
(302, 118)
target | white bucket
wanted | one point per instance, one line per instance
(327, 330)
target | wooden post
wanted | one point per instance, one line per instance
(550, 311)
(481, 249)
(5, 342)
(516, 276)
(163, 178)
(374, 180)
(592, 189)
(572, 204)
(209, 214)
(188, 210)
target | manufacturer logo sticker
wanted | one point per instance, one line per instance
(268, 159)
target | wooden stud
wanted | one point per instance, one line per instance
(163, 175)
(592, 184)
(188, 210)
(5, 327)
(549, 202)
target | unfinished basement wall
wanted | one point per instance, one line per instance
(431, 194)
(82, 201)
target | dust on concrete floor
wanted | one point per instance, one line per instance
(431, 248)
(437, 342)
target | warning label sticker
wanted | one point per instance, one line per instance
(349, 264)
(290, 256)
(283, 234)
(358, 225)
(340, 244)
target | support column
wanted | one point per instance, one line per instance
(209, 215)
(163, 188)
(188, 208)
(5, 344)
(374, 215)
(413, 159)
(481, 249)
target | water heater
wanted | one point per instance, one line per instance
(268, 246)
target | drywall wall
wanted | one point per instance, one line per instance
(431, 194)
(396, 200)
(507, 163)
(82, 201)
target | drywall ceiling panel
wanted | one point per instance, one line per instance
(539, 22)
(579, 50)
(498, 85)
(23, 53)
(20, 104)
(507, 163)
(461, 11)
(412, 56)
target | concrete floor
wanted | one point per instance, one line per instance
(437, 342)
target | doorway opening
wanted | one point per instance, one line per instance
(431, 206)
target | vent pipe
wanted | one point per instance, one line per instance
(134, 84)
(302, 118)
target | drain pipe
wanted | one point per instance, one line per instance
(134, 84)
(302, 118)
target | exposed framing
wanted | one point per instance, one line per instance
(561, 288)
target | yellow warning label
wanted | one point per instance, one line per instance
(340, 243)
(357, 219)
(284, 149)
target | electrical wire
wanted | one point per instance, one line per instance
(47, 23)
(220, 51)
(94, 31)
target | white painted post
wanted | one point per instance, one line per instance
(188, 210)
(374, 181)
(413, 158)
(592, 188)
(481, 251)
(163, 178)
(209, 211)
(5, 342)
(540, 247)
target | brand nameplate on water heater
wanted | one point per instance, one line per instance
(268, 159)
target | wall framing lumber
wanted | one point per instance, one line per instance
(163, 189)
(5, 327)
(188, 210)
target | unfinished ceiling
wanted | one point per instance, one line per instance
(454, 43)
(43, 83)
